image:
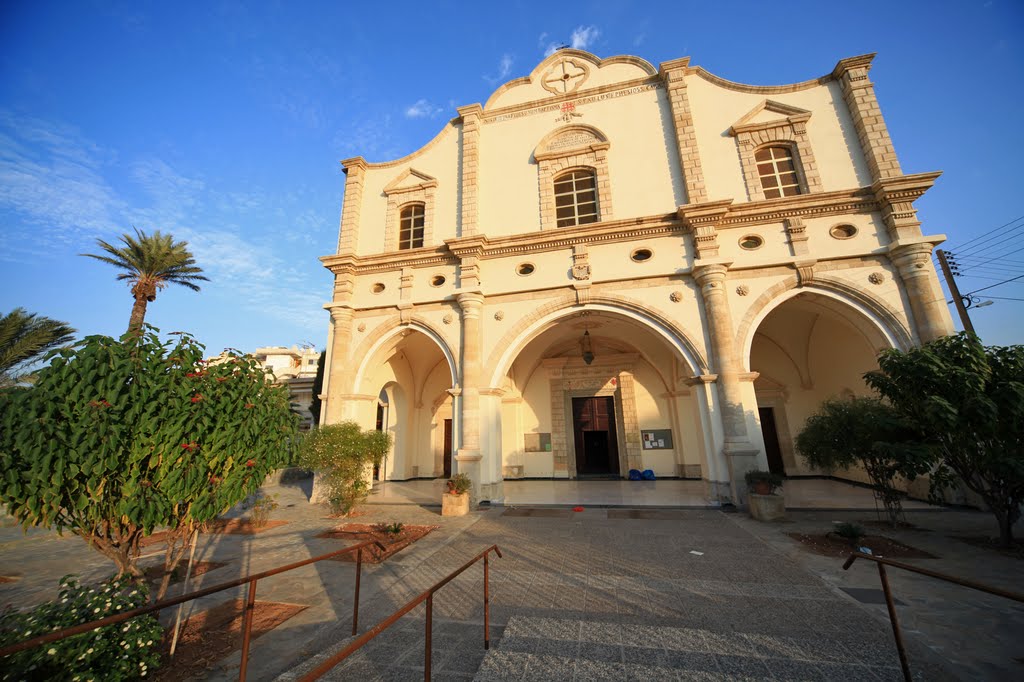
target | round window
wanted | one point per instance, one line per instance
(843, 231)
(525, 269)
(378, 288)
(640, 255)
(437, 280)
(751, 242)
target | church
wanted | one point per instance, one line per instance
(614, 266)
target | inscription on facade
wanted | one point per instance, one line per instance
(625, 92)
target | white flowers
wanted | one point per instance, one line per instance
(51, 652)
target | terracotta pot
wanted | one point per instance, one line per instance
(761, 488)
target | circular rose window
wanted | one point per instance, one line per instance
(843, 231)
(640, 255)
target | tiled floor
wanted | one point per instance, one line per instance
(800, 494)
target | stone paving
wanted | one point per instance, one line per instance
(600, 594)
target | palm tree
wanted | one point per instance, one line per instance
(150, 262)
(23, 338)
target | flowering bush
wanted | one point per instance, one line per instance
(124, 651)
(342, 454)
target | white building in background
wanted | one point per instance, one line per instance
(295, 368)
(612, 266)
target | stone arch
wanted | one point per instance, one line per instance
(385, 332)
(882, 316)
(528, 328)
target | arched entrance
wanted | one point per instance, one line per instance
(597, 392)
(409, 374)
(806, 349)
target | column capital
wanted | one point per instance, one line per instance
(470, 301)
(340, 312)
(710, 274)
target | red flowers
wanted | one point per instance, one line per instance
(190, 446)
(214, 479)
(221, 380)
(99, 404)
(250, 463)
(577, 509)
(192, 375)
(197, 397)
(249, 406)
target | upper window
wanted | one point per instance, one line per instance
(410, 233)
(576, 198)
(777, 170)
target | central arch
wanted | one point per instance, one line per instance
(597, 390)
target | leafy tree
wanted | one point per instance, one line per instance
(341, 454)
(318, 387)
(150, 263)
(24, 337)
(968, 400)
(118, 438)
(868, 432)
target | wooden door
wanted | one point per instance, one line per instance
(447, 448)
(771, 441)
(597, 448)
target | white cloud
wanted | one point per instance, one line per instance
(504, 69)
(584, 36)
(422, 109)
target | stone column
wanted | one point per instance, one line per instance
(674, 75)
(739, 454)
(469, 194)
(468, 456)
(927, 301)
(348, 234)
(859, 93)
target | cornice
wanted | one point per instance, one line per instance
(801, 206)
(860, 61)
(703, 73)
(550, 102)
(904, 187)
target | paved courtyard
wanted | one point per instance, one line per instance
(606, 593)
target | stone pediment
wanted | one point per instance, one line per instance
(769, 114)
(568, 139)
(410, 180)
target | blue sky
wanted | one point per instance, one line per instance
(223, 123)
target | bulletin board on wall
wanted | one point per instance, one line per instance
(537, 442)
(656, 439)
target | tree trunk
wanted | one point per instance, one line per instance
(1005, 528)
(138, 313)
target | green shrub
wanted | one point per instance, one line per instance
(125, 651)
(458, 484)
(342, 454)
(849, 531)
(756, 476)
(260, 509)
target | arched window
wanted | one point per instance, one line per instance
(576, 198)
(410, 231)
(776, 168)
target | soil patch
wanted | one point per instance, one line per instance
(361, 532)
(156, 573)
(901, 525)
(1015, 551)
(240, 526)
(826, 544)
(209, 636)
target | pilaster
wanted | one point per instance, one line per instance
(341, 341)
(859, 93)
(469, 455)
(355, 173)
(470, 195)
(674, 75)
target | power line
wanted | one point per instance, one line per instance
(1005, 298)
(993, 286)
(973, 245)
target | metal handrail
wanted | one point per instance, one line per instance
(249, 605)
(893, 620)
(428, 597)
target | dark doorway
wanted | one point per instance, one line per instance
(447, 448)
(597, 448)
(380, 427)
(771, 440)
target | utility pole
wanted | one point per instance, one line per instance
(958, 300)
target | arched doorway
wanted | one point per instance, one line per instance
(595, 393)
(808, 348)
(409, 375)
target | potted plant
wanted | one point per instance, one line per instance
(765, 504)
(455, 501)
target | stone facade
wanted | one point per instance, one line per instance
(689, 331)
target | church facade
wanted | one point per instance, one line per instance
(611, 266)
